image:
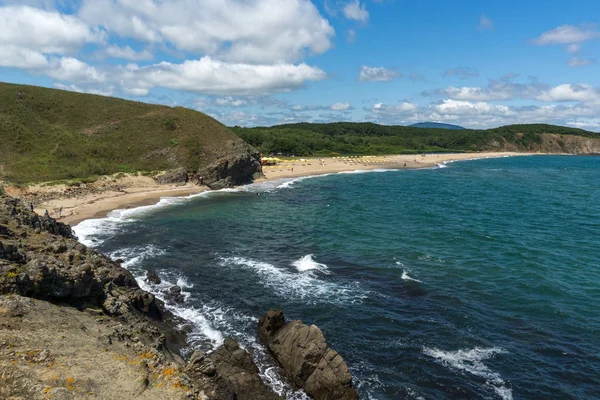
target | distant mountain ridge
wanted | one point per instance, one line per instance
(437, 125)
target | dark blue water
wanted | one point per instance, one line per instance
(476, 281)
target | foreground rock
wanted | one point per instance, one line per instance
(75, 324)
(238, 164)
(305, 357)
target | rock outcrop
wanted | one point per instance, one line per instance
(238, 164)
(41, 259)
(305, 358)
(173, 177)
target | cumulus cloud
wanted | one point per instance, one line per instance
(402, 108)
(461, 73)
(128, 53)
(340, 106)
(377, 74)
(45, 31)
(568, 34)
(569, 92)
(261, 31)
(210, 76)
(356, 11)
(485, 23)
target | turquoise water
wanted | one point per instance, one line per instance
(477, 280)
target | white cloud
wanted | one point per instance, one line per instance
(215, 77)
(458, 107)
(568, 92)
(340, 106)
(573, 48)
(580, 62)
(69, 69)
(377, 74)
(404, 107)
(19, 57)
(231, 101)
(128, 53)
(568, 34)
(261, 31)
(485, 23)
(45, 31)
(74, 88)
(355, 11)
(476, 93)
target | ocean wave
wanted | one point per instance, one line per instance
(308, 263)
(306, 285)
(407, 277)
(471, 361)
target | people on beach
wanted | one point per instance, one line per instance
(60, 212)
(47, 214)
(31, 206)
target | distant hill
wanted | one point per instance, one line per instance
(350, 138)
(48, 134)
(437, 125)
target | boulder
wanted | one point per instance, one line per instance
(173, 177)
(236, 365)
(152, 277)
(173, 295)
(305, 358)
(239, 164)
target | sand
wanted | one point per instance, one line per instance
(137, 191)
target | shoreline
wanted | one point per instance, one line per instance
(100, 205)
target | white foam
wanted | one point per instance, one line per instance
(307, 285)
(471, 361)
(308, 263)
(407, 277)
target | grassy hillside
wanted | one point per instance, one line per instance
(48, 134)
(369, 138)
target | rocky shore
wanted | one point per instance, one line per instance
(74, 324)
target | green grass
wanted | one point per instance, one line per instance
(51, 135)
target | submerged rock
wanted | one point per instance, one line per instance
(305, 358)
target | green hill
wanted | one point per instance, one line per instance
(48, 134)
(367, 138)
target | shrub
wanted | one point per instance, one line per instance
(174, 142)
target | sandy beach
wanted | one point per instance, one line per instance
(134, 191)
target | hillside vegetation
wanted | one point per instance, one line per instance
(368, 138)
(49, 134)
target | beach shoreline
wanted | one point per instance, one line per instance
(143, 191)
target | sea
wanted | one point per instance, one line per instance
(476, 279)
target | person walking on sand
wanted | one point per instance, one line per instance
(31, 206)
(60, 212)
(47, 214)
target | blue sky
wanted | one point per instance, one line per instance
(475, 63)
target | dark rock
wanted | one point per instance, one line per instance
(153, 278)
(173, 295)
(174, 176)
(270, 323)
(239, 164)
(305, 358)
(236, 365)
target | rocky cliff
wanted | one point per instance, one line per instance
(552, 144)
(75, 324)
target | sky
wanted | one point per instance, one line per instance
(475, 63)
